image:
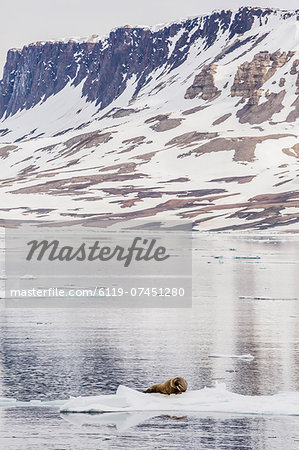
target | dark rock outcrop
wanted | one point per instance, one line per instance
(251, 76)
(203, 85)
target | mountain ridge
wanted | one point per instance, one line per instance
(19, 89)
(198, 121)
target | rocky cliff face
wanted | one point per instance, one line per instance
(251, 76)
(203, 85)
(40, 70)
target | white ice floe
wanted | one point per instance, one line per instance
(247, 356)
(12, 402)
(248, 297)
(247, 257)
(207, 400)
(210, 400)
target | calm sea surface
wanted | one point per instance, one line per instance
(245, 300)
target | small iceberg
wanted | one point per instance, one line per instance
(27, 277)
(247, 257)
(246, 356)
(207, 400)
(248, 297)
(7, 401)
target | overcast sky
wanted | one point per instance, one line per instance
(25, 21)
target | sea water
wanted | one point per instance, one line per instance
(50, 355)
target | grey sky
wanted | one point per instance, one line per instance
(22, 22)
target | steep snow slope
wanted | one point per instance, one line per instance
(195, 120)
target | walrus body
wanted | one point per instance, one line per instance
(175, 385)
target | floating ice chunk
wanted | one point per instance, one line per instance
(247, 257)
(215, 400)
(247, 356)
(27, 277)
(244, 297)
(12, 402)
(209, 400)
(7, 401)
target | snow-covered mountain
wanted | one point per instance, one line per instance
(195, 120)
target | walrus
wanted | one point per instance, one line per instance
(175, 385)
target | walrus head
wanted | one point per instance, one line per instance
(180, 384)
